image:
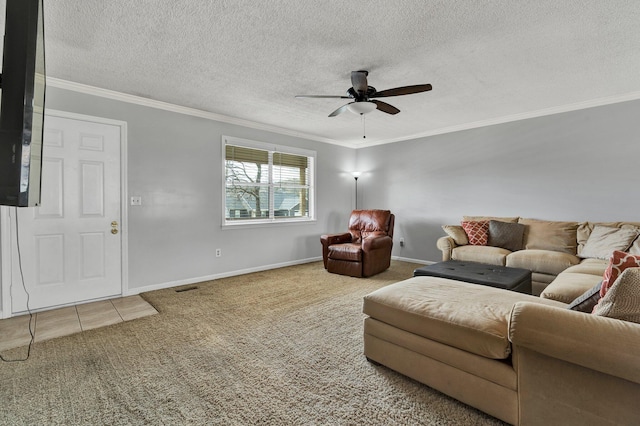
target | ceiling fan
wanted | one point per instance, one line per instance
(363, 95)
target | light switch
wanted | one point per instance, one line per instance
(136, 201)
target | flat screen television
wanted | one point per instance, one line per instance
(22, 87)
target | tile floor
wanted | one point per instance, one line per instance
(14, 332)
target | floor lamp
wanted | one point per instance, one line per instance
(356, 175)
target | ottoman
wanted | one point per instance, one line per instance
(514, 279)
(450, 335)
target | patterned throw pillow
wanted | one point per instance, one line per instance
(619, 262)
(622, 301)
(477, 232)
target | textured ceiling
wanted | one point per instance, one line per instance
(248, 59)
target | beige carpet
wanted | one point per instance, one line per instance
(277, 347)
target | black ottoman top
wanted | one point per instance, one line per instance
(477, 273)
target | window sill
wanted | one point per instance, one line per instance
(266, 223)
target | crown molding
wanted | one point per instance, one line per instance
(151, 103)
(632, 96)
(138, 100)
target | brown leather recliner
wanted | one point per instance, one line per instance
(363, 251)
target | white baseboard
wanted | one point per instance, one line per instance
(195, 280)
(406, 259)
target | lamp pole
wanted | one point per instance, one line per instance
(356, 175)
(356, 178)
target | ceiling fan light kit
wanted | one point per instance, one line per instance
(364, 96)
(363, 107)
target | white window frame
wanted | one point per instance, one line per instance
(271, 149)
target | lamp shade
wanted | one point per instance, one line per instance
(363, 107)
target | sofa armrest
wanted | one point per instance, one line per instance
(375, 243)
(603, 344)
(446, 245)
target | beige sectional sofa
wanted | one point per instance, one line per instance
(524, 359)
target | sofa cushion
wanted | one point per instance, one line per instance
(550, 235)
(477, 232)
(505, 235)
(466, 316)
(482, 254)
(622, 300)
(619, 262)
(590, 266)
(348, 251)
(587, 300)
(457, 233)
(544, 261)
(567, 286)
(604, 240)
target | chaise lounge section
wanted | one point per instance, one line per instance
(523, 359)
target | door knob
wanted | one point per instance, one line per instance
(114, 227)
(114, 231)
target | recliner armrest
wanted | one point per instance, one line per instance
(375, 243)
(335, 238)
(329, 239)
(603, 344)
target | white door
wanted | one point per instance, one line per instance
(70, 246)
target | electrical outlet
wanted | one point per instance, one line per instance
(218, 252)
(136, 201)
(401, 242)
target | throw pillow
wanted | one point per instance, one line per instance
(587, 300)
(457, 233)
(618, 263)
(477, 232)
(506, 235)
(622, 301)
(634, 248)
(550, 235)
(604, 240)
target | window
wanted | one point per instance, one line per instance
(266, 183)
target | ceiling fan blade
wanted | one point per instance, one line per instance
(323, 96)
(385, 107)
(340, 110)
(405, 90)
(359, 81)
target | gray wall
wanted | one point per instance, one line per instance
(579, 165)
(174, 164)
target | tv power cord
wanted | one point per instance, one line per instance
(24, 287)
